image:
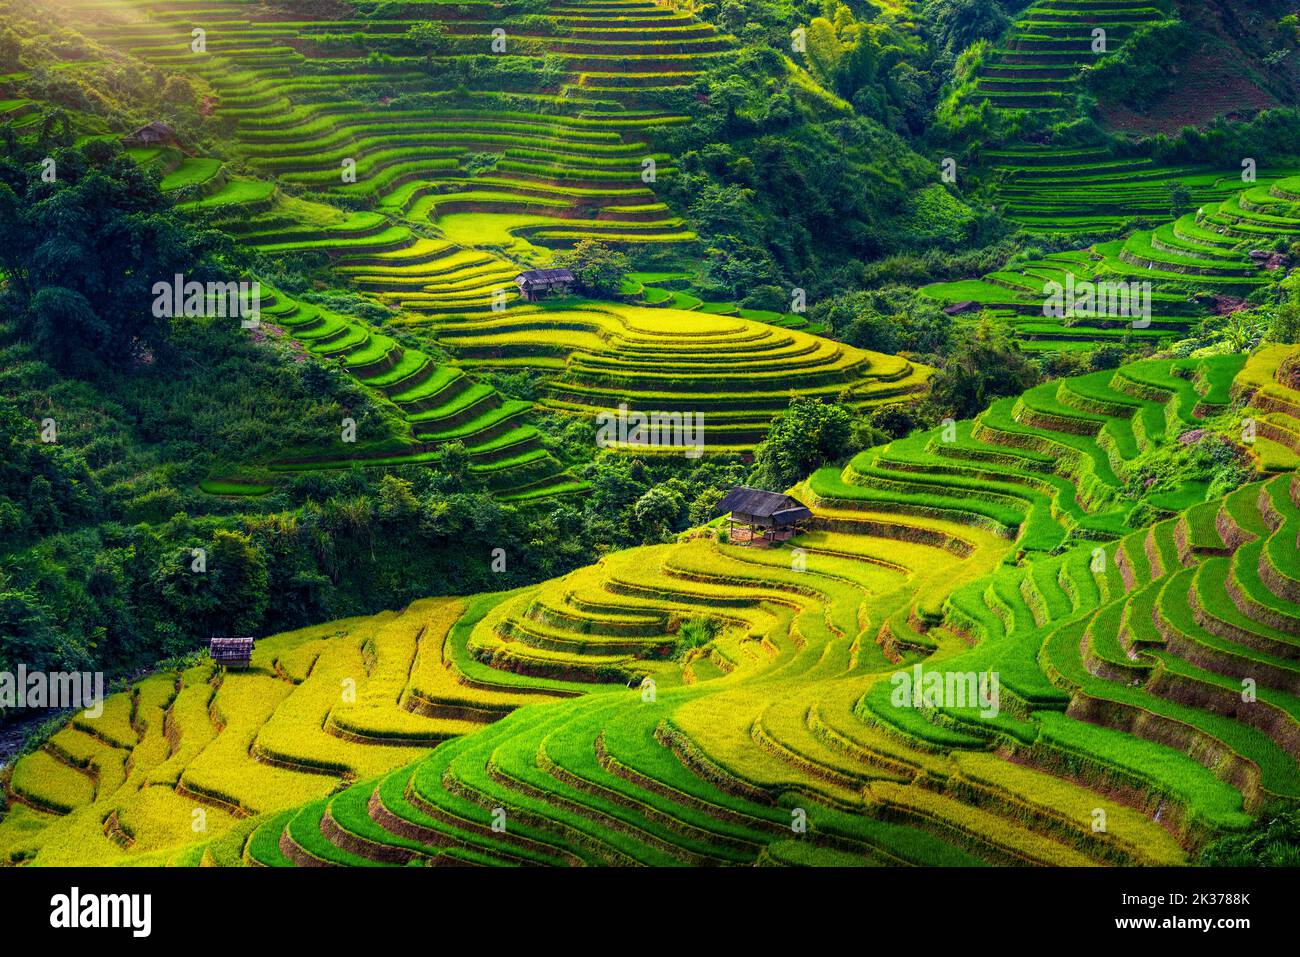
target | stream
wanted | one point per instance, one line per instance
(14, 732)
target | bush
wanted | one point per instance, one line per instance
(986, 365)
(808, 435)
(1273, 840)
(599, 269)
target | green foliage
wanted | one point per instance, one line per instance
(786, 192)
(936, 218)
(428, 38)
(893, 319)
(1204, 459)
(225, 595)
(633, 501)
(1269, 137)
(659, 511)
(599, 268)
(1180, 199)
(1143, 68)
(694, 633)
(1285, 324)
(44, 487)
(808, 435)
(11, 49)
(986, 364)
(83, 253)
(1272, 840)
(957, 25)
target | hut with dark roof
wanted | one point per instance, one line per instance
(231, 652)
(759, 517)
(152, 134)
(536, 283)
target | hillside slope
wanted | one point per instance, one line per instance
(723, 689)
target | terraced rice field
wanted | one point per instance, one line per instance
(1196, 265)
(1091, 191)
(1035, 66)
(585, 724)
(1050, 466)
(1035, 70)
(735, 373)
(438, 403)
(561, 159)
(449, 193)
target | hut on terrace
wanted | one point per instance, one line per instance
(761, 517)
(231, 652)
(536, 283)
(957, 308)
(152, 134)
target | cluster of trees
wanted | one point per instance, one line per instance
(798, 184)
(1270, 138)
(891, 319)
(84, 235)
(786, 190)
(808, 435)
(115, 595)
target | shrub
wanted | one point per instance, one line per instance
(808, 435)
(1273, 840)
(599, 268)
(987, 364)
(695, 633)
(1144, 68)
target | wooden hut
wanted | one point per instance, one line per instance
(759, 517)
(957, 308)
(536, 283)
(152, 134)
(231, 652)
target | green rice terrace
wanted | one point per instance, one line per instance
(985, 549)
(587, 712)
(1207, 261)
(1051, 42)
(1035, 74)
(431, 203)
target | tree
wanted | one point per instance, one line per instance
(809, 434)
(238, 569)
(599, 269)
(397, 502)
(178, 96)
(223, 594)
(429, 38)
(26, 634)
(1285, 326)
(1180, 199)
(893, 319)
(11, 49)
(82, 253)
(986, 365)
(659, 512)
(956, 24)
